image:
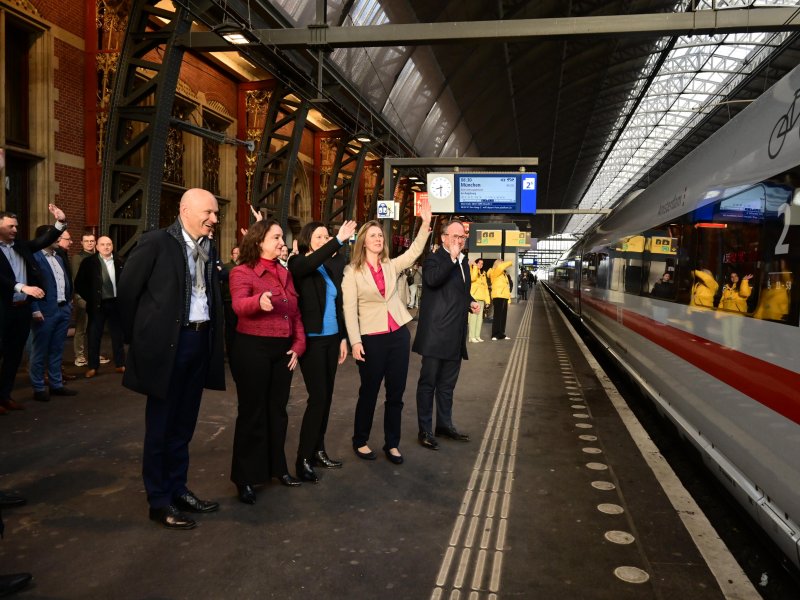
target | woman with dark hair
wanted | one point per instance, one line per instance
(736, 293)
(376, 316)
(317, 270)
(269, 341)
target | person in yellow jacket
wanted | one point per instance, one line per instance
(501, 294)
(736, 293)
(480, 292)
(704, 289)
(774, 301)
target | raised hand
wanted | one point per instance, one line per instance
(57, 212)
(425, 211)
(346, 231)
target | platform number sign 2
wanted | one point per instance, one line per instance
(528, 183)
(782, 247)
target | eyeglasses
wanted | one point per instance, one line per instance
(460, 238)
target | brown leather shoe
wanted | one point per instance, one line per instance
(10, 404)
(90, 373)
(120, 369)
(3, 410)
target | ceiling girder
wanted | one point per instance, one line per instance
(509, 30)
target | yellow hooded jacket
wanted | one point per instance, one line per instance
(479, 289)
(497, 275)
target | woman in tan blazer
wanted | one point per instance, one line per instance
(376, 316)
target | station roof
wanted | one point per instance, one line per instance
(607, 94)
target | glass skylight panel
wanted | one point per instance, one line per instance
(691, 79)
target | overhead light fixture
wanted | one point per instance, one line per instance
(364, 138)
(234, 33)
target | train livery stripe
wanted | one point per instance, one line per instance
(769, 384)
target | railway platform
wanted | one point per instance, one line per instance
(557, 495)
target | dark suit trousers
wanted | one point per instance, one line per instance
(260, 367)
(318, 364)
(500, 307)
(437, 378)
(386, 357)
(107, 313)
(170, 421)
(16, 328)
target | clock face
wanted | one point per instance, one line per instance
(440, 187)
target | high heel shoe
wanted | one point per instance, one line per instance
(246, 494)
(288, 480)
(305, 471)
(322, 459)
(393, 458)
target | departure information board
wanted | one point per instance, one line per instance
(495, 193)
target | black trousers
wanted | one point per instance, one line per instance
(437, 378)
(260, 367)
(230, 327)
(318, 364)
(16, 328)
(386, 357)
(500, 308)
(107, 313)
(170, 421)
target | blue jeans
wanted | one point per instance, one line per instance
(48, 348)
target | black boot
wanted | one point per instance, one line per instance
(305, 471)
(322, 459)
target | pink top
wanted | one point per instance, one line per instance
(381, 283)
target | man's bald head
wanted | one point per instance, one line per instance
(105, 247)
(199, 212)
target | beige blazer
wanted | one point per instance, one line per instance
(365, 309)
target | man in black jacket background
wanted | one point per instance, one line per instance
(442, 334)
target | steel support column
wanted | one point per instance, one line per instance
(139, 121)
(340, 199)
(274, 174)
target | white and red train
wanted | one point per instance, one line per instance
(717, 347)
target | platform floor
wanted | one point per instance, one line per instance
(518, 512)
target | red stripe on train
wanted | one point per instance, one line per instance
(771, 385)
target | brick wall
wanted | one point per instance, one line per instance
(68, 80)
(67, 14)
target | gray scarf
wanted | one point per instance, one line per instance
(200, 257)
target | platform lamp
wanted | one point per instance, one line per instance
(234, 33)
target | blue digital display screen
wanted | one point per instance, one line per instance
(513, 193)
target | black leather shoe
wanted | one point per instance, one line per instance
(191, 503)
(365, 455)
(321, 459)
(10, 501)
(11, 584)
(246, 494)
(43, 396)
(452, 433)
(62, 391)
(305, 471)
(171, 518)
(396, 460)
(427, 440)
(288, 480)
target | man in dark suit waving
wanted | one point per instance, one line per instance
(442, 334)
(20, 281)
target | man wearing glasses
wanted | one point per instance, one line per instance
(442, 334)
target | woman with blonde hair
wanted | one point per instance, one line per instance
(376, 317)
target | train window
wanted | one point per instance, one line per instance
(778, 299)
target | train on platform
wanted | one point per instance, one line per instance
(689, 284)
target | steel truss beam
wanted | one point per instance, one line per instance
(274, 173)
(340, 199)
(516, 30)
(139, 121)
